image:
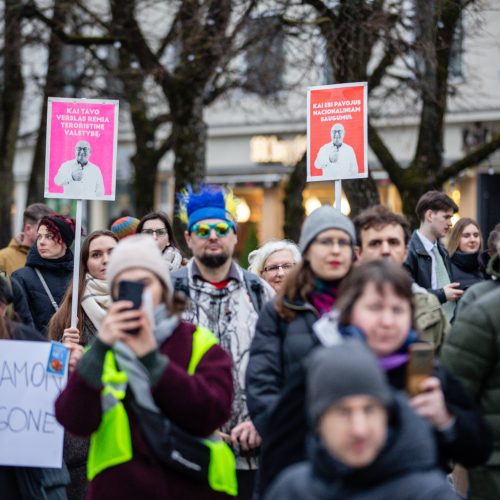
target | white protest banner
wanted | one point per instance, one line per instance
(337, 132)
(29, 433)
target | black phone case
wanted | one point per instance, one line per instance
(131, 290)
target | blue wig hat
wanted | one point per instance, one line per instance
(210, 202)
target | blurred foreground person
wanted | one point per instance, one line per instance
(27, 483)
(40, 286)
(472, 353)
(273, 261)
(464, 246)
(146, 373)
(366, 442)
(376, 307)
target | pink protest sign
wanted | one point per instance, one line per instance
(80, 159)
(337, 132)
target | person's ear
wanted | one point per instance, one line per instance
(187, 237)
(357, 252)
(428, 215)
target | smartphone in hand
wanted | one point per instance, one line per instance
(132, 291)
(419, 367)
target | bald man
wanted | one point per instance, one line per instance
(337, 159)
(80, 178)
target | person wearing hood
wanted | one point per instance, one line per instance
(376, 307)
(365, 441)
(39, 287)
(146, 359)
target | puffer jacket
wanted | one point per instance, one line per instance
(465, 269)
(472, 353)
(31, 301)
(404, 469)
(278, 349)
(480, 289)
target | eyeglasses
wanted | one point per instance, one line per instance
(274, 269)
(159, 232)
(331, 242)
(203, 230)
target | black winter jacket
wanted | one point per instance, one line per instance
(278, 349)
(31, 301)
(419, 264)
(465, 269)
(405, 468)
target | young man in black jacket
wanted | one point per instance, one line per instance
(428, 260)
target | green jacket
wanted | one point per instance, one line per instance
(472, 353)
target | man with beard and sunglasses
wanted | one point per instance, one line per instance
(225, 299)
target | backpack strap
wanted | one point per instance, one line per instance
(255, 289)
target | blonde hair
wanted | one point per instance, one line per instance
(456, 234)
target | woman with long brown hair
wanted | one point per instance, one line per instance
(93, 292)
(464, 246)
(284, 333)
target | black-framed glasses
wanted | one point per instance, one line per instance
(203, 230)
(159, 232)
(275, 268)
(331, 242)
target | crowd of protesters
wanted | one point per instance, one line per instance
(193, 378)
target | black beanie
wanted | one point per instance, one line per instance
(336, 372)
(65, 227)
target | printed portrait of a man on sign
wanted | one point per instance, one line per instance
(81, 149)
(337, 132)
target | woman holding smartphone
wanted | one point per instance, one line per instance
(376, 307)
(174, 368)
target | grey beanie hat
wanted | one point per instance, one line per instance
(138, 251)
(323, 218)
(348, 369)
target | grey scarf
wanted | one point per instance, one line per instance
(138, 377)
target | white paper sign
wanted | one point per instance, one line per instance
(29, 433)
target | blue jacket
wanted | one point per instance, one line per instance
(419, 264)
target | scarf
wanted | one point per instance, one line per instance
(391, 361)
(138, 377)
(96, 299)
(324, 295)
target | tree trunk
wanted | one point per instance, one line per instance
(293, 202)
(361, 194)
(189, 136)
(53, 86)
(13, 88)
